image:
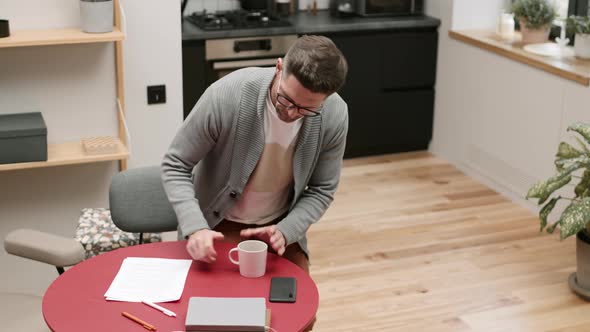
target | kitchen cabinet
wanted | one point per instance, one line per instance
(69, 153)
(389, 90)
(194, 73)
(390, 85)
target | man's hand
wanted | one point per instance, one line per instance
(200, 245)
(268, 234)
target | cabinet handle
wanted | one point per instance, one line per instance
(253, 45)
(223, 65)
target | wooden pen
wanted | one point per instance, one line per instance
(145, 324)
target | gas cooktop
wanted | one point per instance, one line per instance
(238, 19)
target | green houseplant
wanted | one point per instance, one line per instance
(571, 163)
(580, 25)
(535, 18)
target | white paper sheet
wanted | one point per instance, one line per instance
(149, 279)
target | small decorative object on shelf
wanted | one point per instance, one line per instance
(562, 41)
(4, 29)
(96, 16)
(558, 49)
(506, 26)
(23, 138)
(535, 18)
(580, 25)
(100, 145)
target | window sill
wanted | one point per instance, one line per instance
(570, 68)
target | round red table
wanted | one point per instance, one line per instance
(75, 300)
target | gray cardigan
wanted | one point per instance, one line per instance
(221, 141)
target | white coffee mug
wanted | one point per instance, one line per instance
(251, 258)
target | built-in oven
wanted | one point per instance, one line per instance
(205, 61)
(226, 55)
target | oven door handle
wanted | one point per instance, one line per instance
(253, 45)
(224, 65)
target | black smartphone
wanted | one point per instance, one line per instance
(283, 289)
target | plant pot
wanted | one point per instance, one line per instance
(96, 16)
(579, 281)
(533, 36)
(582, 45)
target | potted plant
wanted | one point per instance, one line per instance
(535, 18)
(580, 26)
(571, 163)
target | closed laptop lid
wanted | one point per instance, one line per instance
(226, 314)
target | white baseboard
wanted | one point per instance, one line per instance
(495, 174)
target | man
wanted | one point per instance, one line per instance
(267, 144)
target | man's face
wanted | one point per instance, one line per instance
(291, 99)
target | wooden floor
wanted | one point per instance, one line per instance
(412, 244)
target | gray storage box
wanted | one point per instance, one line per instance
(23, 138)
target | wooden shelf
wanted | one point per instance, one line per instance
(570, 68)
(69, 153)
(72, 153)
(22, 38)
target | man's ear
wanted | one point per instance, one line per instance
(279, 66)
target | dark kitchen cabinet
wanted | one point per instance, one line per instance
(194, 71)
(389, 90)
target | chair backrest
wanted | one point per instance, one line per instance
(138, 202)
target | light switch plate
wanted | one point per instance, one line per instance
(156, 94)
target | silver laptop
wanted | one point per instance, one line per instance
(235, 314)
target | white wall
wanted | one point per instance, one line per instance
(74, 86)
(152, 56)
(497, 119)
(469, 14)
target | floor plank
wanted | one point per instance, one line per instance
(412, 244)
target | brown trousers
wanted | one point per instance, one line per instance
(293, 252)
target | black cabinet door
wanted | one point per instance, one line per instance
(409, 60)
(193, 73)
(389, 90)
(393, 121)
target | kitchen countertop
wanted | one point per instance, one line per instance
(306, 23)
(568, 67)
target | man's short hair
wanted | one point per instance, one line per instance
(317, 64)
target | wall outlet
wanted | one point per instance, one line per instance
(156, 94)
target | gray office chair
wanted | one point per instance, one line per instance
(138, 204)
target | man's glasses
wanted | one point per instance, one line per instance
(289, 105)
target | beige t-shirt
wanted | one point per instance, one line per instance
(266, 195)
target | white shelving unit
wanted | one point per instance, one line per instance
(69, 153)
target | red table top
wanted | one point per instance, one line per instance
(75, 300)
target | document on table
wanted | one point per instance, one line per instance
(149, 279)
